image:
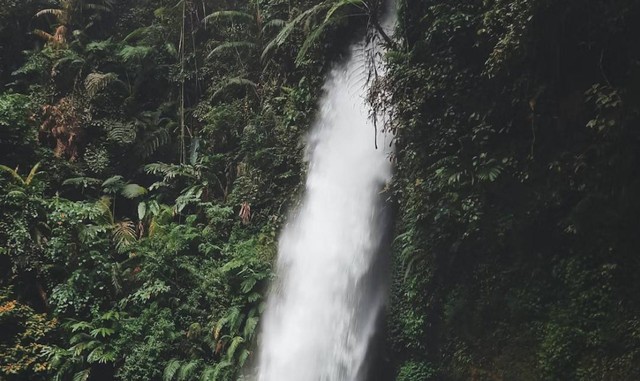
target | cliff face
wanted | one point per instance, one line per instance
(515, 252)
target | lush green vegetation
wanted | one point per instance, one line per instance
(149, 152)
(150, 149)
(518, 156)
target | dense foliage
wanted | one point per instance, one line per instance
(517, 180)
(149, 150)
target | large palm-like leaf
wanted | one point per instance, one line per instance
(331, 16)
(13, 173)
(233, 45)
(25, 182)
(124, 234)
(234, 82)
(229, 14)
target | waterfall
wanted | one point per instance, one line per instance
(322, 310)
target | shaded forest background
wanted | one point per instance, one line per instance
(150, 150)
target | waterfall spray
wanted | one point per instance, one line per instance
(323, 307)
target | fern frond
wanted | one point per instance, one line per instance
(244, 355)
(136, 34)
(113, 184)
(158, 168)
(273, 23)
(59, 14)
(134, 53)
(233, 346)
(171, 369)
(83, 375)
(116, 280)
(490, 171)
(207, 374)
(234, 82)
(231, 320)
(309, 41)
(84, 181)
(99, 46)
(221, 366)
(32, 174)
(13, 173)
(286, 31)
(104, 204)
(80, 326)
(343, 3)
(232, 45)
(102, 332)
(112, 315)
(232, 15)
(132, 191)
(98, 7)
(94, 83)
(187, 370)
(171, 49)
(250, 327)
(154, 141)
(123, 133)
(100, 355)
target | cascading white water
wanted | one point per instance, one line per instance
(323, 307)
